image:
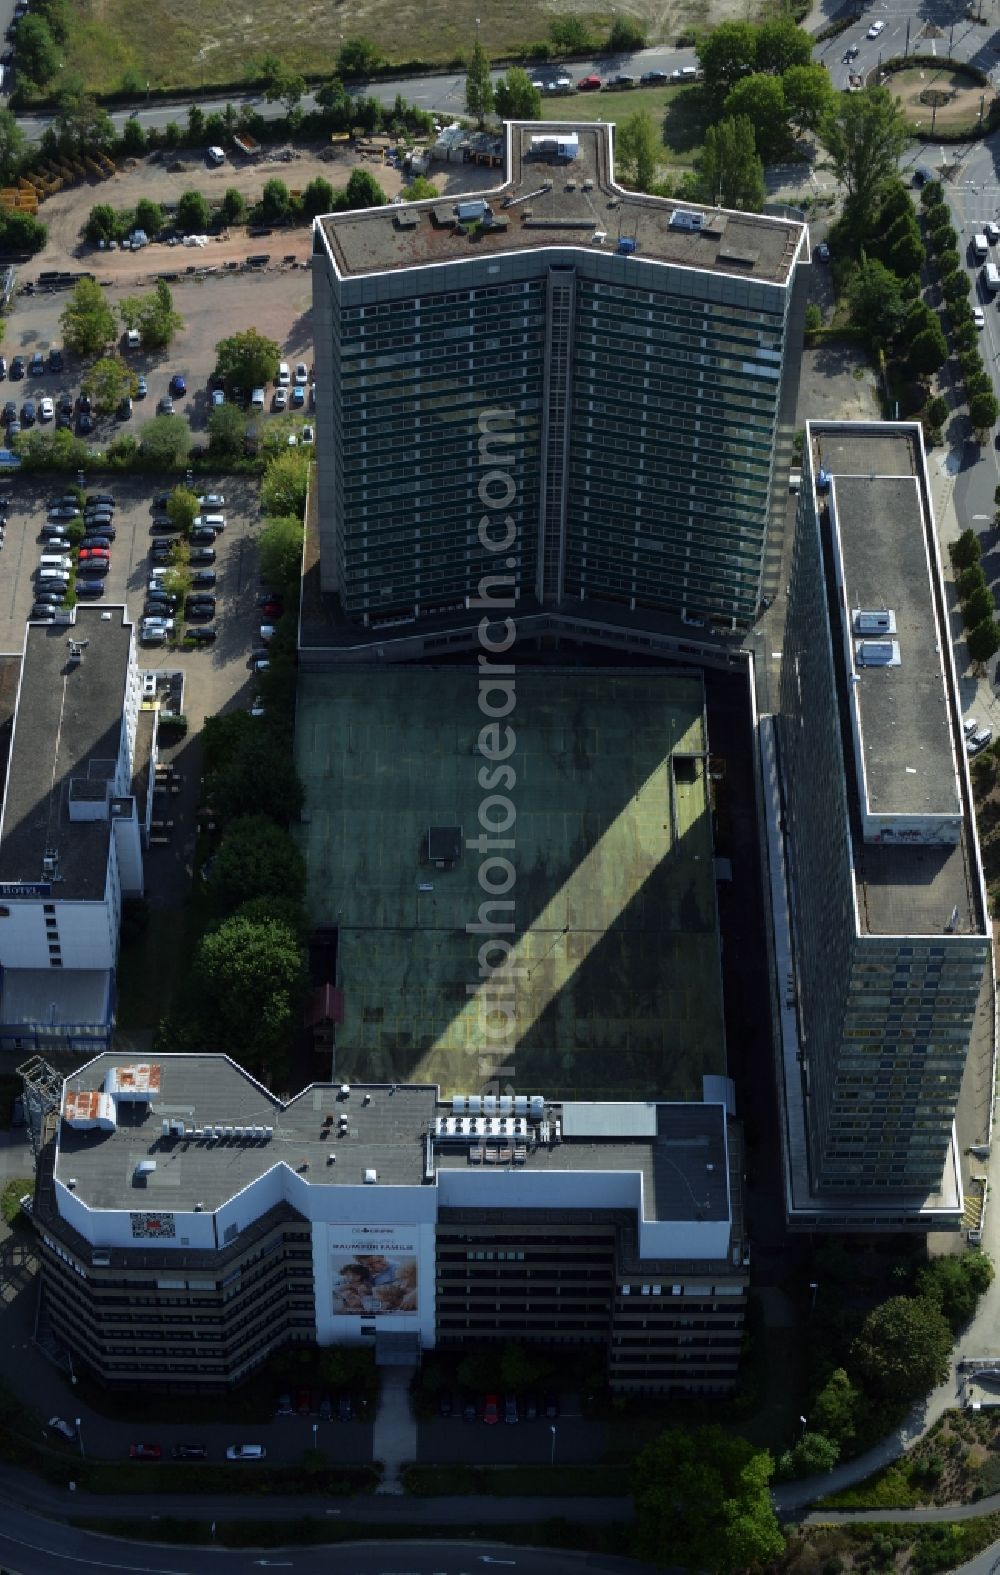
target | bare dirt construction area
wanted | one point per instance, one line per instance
(952, 98)
(194, 43)
(164, 181)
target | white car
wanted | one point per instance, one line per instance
(979, 741)
(301, 374)
(211, 500)
(46, 409)
(281, 399)
(992, 232)
(308, 435)
(284, 376)
(875, 29)
(246, 1452)
(154, 631)
(970, 727)
(59, 1426)
(979, 317)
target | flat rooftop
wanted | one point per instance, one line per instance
(906, 715)
(679, 1150)
(67, 727)
(546, 201)
(614, 941)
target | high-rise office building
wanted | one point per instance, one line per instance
(621, 358)
(876, 874)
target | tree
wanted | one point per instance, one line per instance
(247, 360)
(133, 137)
(836, 1410)
(983, 411)
(639, 145)
(928, 351)
(781, 45)
(519, 1370)
(363, 190)
(626, 35)
(902, 247)
(287, 88)
(728, 170)
(107, 382)
(956, 1283)
(226, 425)
(896, 202)
(726, 54)
(58, 15)
(966, 551)
(970, 580)
(255, 779)
(983, 641)
(903, 1349)
(516, 99)
(479, 97)
(979, 607)
(275, 201)
(103, 224)
(12, 146)
(59, 450)
(256, 859)
(234, 207)
(419, 189)
(932, 196)
(280, 548)
(358, 57)
(196, 124)
(701, 1499)
(333, 97)
(148, 216)
(937, 411)
(193, 213)
(808, 94)
(318, 197)
(286, 480)
(570, 36)
(253, 980)
(164, 441)
(956, 287)
(158, 321)
(182, 507)
(876, 301)
(761, 99)
(864, 134)
(813, 1452)
(37, 51)
(87, 321)
(22, 232)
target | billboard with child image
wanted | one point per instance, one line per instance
(373, 1270)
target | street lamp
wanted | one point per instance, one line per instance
(814, 1287)
(552, 1457)
(315, 1431)
(79, 1434)
(72, 1374)
(802, 1419)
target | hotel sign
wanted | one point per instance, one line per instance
(10, 889)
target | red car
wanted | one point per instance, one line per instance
(95, 552)
(144, 1452)
(272, 609)
(589, 84)
(491, 1410)
(302, 1402)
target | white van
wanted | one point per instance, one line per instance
(991, 277)
(284, 377)
(53, 578)
(257, 399)
(216, 522)
(52, 560)
(980, 248)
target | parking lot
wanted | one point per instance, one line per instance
(216, 676)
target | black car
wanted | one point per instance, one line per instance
(89, 587)
(530, 1408)
(28, 413)
(653, 78)
(551, 1406)
(203, 580)
(17, 366)
(84, 422)
(325, 1408)
(201, 555)
(161, 500)
(189, 1452)
(63, 421)
(196, 611)
(55, 360)
(161, 523)
(97, 499)
(9, 413)
(42, 612)
(201, 636)
(3, 367)
(83, 403)
(96, 541)
(102, 514)
(201, 536)
(48, 596)
(94, 566)
(470, 1410)
(161, 551)
(345, 1409)
(65, 403)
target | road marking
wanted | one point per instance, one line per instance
(98, 1562)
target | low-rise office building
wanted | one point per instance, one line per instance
(190, 1224)
(75, 809)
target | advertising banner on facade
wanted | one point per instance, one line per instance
(373, 1269)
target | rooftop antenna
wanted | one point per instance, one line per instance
(76, 649)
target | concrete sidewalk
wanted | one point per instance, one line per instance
(395, 1438)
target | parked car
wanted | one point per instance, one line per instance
(470, 1410)
(89, 585)
(530, 1408)
(58, 1425)
(551, 1406)
(124, 411)
(84, 422)
(204, 580)
(198, 555)
(978, 317)
(211, 500)
(154, 631)
(302, 1402)
(144, 1451)
(281, 399)
(42, 612)
(284, 1407)
(64, 511)
(55, 359)
(510, 1409)
(617, 84)
(345, 1408)
(653, 78)
(9, 412)
(96, 500)
(301, 373)
(284, 376)
(201, 535)
(58, 543)
(46, 409)
(823, 252)
(189, 1452)
(3, 367)
(979, 741)
(195, 609)
(37, 367)
(444, 1403)
(260, 664)
(17, 370)
(491, 1410)
(28, 413)
(141, 388)
(684, 74)
(213, 522)
(165, 406)
(246, 1452)
(325, 1408)
(178, 385)
(308, 435)
(203, 635)
(589, 84)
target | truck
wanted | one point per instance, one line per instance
(991, 277)
(247, 144)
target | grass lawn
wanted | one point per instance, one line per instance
(10, 1200)
(956, 1463)
(964, 93)
(679, 111)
